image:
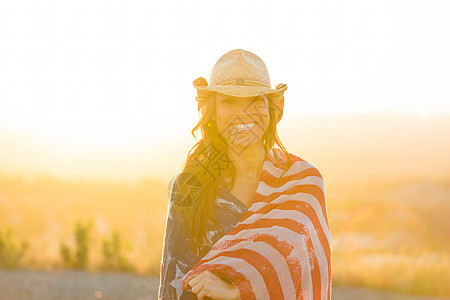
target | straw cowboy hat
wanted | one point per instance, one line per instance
(238, 73)
(241, 73)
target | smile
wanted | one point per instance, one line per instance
(244, 126)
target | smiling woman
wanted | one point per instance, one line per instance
(245, 220)
(242, 114)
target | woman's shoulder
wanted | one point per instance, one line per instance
(297, 163)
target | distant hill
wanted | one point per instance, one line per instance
(365, 147)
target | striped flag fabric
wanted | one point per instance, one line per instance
(281, 248)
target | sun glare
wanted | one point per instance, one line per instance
(87, 83)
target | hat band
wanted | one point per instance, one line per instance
(244, 82)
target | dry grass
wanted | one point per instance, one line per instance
(393, 236)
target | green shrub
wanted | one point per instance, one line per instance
(113, 256)
(11, 253)
(78, 258)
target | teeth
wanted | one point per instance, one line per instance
(246, 126)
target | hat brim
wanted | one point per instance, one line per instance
(240, 90)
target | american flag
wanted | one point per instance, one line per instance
(281, 248)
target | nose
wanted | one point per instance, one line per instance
(246, 115)
(244, 110)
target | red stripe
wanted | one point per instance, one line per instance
(263, 266)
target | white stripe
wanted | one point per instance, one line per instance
(284, 234)
(267, 190)
(249, 272)
(270, 167)
(299, 166)
(302, 197)
(275, 259)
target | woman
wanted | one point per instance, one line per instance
(245, 220)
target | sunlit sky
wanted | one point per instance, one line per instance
(96, 75)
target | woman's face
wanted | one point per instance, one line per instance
(242, 121)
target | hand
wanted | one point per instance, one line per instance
(206, 284)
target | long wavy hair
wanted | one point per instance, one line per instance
(211, 150)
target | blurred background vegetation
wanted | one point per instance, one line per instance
(386, 235)
(46, 223)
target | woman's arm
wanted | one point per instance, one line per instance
(168, 270)
(177, 256)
